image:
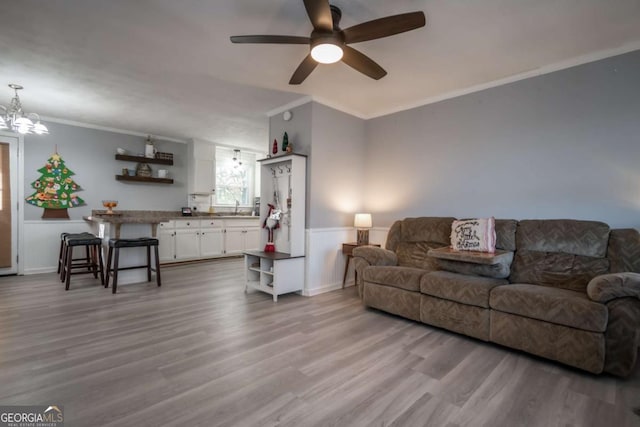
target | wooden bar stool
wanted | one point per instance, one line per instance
(116, 244)
(63, 251)
(93, 262)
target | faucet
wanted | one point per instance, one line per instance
(237, 204)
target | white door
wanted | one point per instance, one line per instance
(166, 248)
(252, 239)
(187, 244)
(234, 241)
(211, 242)
(8, 205)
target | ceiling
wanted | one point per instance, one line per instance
(167, 67)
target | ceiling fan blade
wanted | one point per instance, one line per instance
(384, 27)
(362, 63)
(270, 39)
(320, 14)
(305, 68)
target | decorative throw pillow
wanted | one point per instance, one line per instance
(477, 234)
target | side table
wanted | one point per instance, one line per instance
(347, 250)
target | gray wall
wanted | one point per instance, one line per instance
(566, 144)
(90, 154)
(338, 167)
(335, 144)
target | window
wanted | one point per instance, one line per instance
(236, 178)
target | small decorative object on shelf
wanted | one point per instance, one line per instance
(275, 147)
(109, 204)
(285, 143)
(149, 148)
(143, 169)
(164, 156)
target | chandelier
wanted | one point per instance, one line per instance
(16, 120)
(237, 159)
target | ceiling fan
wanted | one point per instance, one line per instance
(329, 43)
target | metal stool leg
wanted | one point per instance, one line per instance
(67, 270)
(115, 269)
(148, 263)
(155, 248)
(108, 270)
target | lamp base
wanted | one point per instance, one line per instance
(363, 237)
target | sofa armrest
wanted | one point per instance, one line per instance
(365, 256)
(607, 287)
(375, 256)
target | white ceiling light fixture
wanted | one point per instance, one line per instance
(326, 51)
(15, 119)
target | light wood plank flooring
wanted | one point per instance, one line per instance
(201, 352)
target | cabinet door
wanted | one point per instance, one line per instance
(252, 239)
(204, 178)
(234, 241)
(166, 248)
(211, 242)
(187, 244)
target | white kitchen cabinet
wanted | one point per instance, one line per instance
(241, 235)
(211, 242)
(193, 238)
(187, 244)
(202, 178)
(167, 246)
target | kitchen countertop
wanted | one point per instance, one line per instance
(150, 217)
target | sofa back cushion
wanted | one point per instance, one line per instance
(560, 253)
(586, 238)
(624, 250)
(414, 254)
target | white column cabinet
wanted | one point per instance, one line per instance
(282, 271)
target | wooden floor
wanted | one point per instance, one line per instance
(201, 352)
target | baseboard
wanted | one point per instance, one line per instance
(40, 270)
(326, 288)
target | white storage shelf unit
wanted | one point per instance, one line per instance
(275, 273)
(283, 181)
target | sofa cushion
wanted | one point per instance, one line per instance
(398, 277)
(414, 254)
(471, 290)
(506, 234)
(559, 306)
(426, 229)
(586, 238)
(556, 269)
(495, 271)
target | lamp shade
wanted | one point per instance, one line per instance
(362, 220)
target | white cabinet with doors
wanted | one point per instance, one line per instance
(193, 238)
(241, 235)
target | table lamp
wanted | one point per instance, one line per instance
(362, 223)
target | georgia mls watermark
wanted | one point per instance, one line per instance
(32, 416)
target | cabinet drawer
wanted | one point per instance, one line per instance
(187, 223)
(169, 225)
(244, 223)
(211, 223)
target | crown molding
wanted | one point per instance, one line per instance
(109, 129)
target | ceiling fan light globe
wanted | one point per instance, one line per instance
(23, 121)
(40, 129)
(3, 124)
(24, 130)
(326, 53)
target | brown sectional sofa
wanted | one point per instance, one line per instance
(566, 290)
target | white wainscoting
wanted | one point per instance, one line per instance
(41, 244)
(324, 260)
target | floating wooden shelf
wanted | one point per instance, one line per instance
(142, 159)
(148, 179)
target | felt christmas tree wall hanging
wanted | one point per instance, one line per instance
(55, 189)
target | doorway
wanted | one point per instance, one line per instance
(8, 205)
